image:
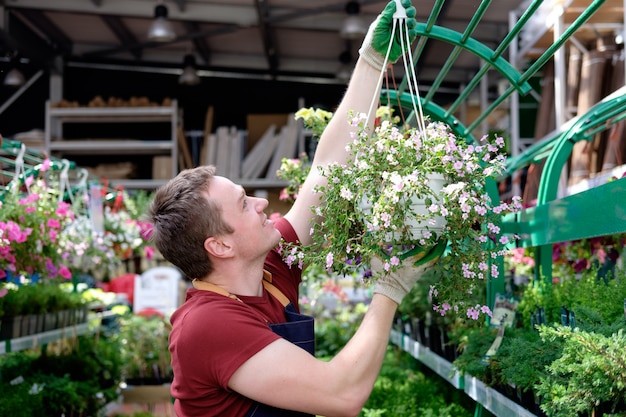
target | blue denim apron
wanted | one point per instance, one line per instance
(298, 329)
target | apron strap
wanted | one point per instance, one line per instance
(267, 279)
(276, 293)
(209, 286)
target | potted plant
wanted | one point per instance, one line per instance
(12, 304)
(422, 187)
(31, 221)
(145, 352)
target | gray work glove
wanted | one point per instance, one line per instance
(397, 284)
(376, 42)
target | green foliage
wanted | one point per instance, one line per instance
(605, 297)
(79, 382)
(474, 344)
(598, 299)
(540, 294)
(401, 390)
(145, 347)
(591, 371)
(523, 357)
(332, 334)
(19, 400)
(42, 297)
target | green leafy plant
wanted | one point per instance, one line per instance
(76, 382)
(145, 349)
(402, 390)
(523, 357)
(589, 373)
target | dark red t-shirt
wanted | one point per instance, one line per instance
(213, 335)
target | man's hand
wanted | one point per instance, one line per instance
(376, 42)
(397, 284)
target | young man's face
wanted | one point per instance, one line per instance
(254, 234)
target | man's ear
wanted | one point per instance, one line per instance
(217, 247)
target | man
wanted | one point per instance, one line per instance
(239, 345)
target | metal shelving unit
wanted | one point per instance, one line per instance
(165, 145)
(489, 398)
(40, 339)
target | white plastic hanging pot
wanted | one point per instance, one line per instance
(418, 229)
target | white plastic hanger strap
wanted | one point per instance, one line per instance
(399, 23)
(64, 182)
(19, 168)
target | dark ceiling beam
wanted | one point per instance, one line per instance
(200, 44)
(182, 5)
(230, 28)
(267, 35)
(7, 43)
(20, 37)
(207, 33)
(46, 29)
(123, 34)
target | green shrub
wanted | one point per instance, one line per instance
(591, 372)
(82, 380)
(401, 390)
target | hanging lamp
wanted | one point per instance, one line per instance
(353, 26)
(161, 29)
(189, 75)
(14, 77)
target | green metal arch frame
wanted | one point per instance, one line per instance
(475, 47)
(597, 119)
(556, 152)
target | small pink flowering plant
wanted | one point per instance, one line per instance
(294, 171)
(391, 169)
(32, 221)
(123, 236)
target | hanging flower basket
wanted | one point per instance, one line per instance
(406, 188)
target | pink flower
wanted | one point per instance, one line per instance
(149, 252)
(53, 224)
(65, 272)
(329, 260)
(284, 195)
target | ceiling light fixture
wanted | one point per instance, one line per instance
(189, 75)
(345, 69)
(353, 26)
(161, 29)
(14, 78)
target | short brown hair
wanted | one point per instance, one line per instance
(183, 216)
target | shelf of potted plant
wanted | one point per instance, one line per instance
(41, 339)
(442, 367)
(489, 398)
